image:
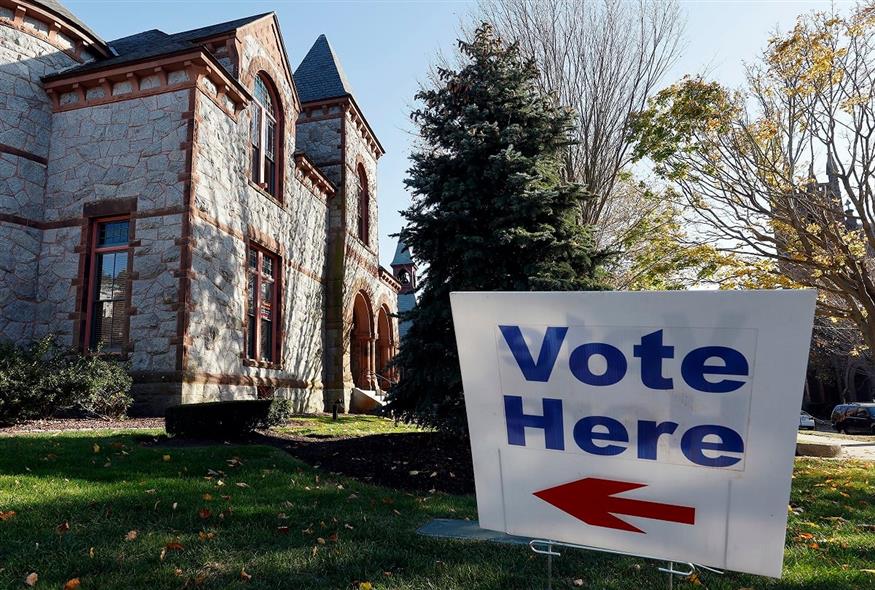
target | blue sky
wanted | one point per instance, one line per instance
(386, 48)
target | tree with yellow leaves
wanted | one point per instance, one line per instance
(744, 161)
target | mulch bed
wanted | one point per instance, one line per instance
(416, 461)
(67, 424)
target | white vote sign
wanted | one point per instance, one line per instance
(661, 424)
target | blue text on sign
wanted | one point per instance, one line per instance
(652, 352)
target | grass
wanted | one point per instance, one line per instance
(320, 425)
(107, 484)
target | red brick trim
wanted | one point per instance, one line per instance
(77, 221)
(224, 228)
(183, 313)
(196, 63)
(221, 379)
(284, 132)
(8, 149)
(124, 208)
(311, 176)
(56, 24)
(356, 117)
(389, 280)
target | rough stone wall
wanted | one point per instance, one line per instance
(123, 151)
(25, 125)
(361, 269)
(322, 141)
(230, 211)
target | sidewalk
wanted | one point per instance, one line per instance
(851, 449)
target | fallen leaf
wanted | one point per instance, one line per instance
(131, 536)
(320, 540)
(578, 582)
(366, 586)
(63, 527)
(91, 553)
(333, 537)
(205, 536)
(242, 484)
(166, 458)
(208, 497)
(72, 584)
(174, 546)
(283, 530)
(6, 515)
(163, 554)
(204, 513)
(96, 448)
(31, 579)
(244, 576)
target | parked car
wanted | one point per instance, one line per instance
(859, 418)
(806, 421)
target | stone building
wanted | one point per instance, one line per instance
(192, 204)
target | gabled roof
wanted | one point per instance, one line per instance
(402, 255)
(155, 43)
(320, 75)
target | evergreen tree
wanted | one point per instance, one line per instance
(490, 212)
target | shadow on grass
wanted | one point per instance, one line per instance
(267, 513)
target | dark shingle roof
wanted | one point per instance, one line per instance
(155, 43)
(219, 29)
(402, 255)
(320, 75)
(64, 12)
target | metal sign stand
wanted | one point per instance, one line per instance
(545, 547)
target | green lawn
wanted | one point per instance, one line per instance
(204, 514)
(345, 425)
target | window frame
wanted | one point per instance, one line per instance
(265, 117)
(90, 299)
(363, 207)
(254, 295)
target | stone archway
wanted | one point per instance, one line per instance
(362, 343)
(385, 348)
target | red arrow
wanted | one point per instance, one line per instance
(594, 501)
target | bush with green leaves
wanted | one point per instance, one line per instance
(42, 379)
(281, 412)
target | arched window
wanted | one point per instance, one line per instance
(265, 136)
(363, 209)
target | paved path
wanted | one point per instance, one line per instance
(853, 449)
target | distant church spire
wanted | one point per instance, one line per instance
(404, 271)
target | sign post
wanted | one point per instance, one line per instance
(655, 424)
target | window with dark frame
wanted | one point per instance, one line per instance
(363, 210)
(262, 312)
(107, 304)
(264, 138)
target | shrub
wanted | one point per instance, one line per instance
(281, 411)
(222, 420)
(42, 379)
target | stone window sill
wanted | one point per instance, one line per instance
(262, 364)
(267, 195)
